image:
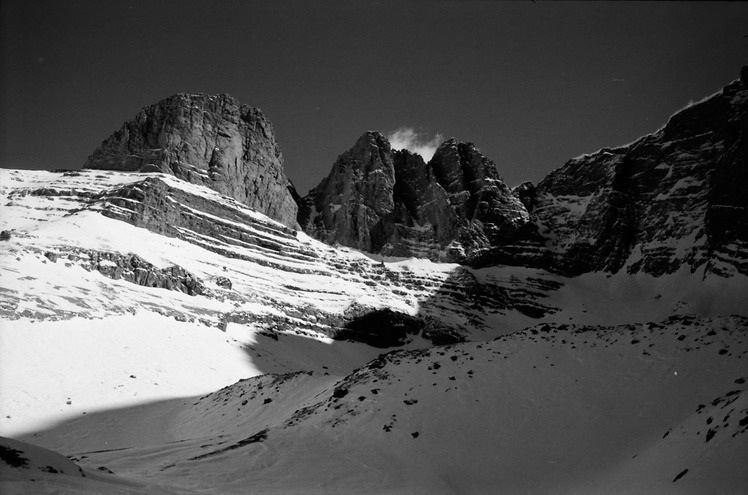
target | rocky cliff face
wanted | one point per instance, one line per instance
(354, 198)
(171, 290)
(208, 140)
(487, 212)
(391, 202)
(677, 197)
(423, 223)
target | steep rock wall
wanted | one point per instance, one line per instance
(209, 140)
(391, 202)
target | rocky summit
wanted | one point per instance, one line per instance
(209, 140)
(677, 197)
(391, 202)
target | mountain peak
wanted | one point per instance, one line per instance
(668, 199)
(210, 140)
(370, 141)
(401, 206)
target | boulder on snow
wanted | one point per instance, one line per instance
(387, 328)
(224, 282)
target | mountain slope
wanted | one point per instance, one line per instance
(570, 408)
(79, 274)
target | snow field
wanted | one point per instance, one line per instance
(555, 408)
(51, 372)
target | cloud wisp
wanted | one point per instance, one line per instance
(406, 138)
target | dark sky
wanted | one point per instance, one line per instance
(532, 84)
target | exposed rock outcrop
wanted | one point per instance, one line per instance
(308, 287)
(355, 196)
(209, 140)
(136, 270)
(391, 202)
(387, 328)
(487, 212)
(422, 222)
(674, 198)
(211, 221)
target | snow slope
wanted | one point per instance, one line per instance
(114, 372)
(555, 408)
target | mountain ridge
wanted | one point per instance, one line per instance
(600, 211)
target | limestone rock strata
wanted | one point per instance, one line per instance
(674, 198)
(134, 269)
(209, 140)
(245, 259)
(357, 194)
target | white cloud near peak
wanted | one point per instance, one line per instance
(406, 138)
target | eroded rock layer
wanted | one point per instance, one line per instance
(209, 140)
(677, 197)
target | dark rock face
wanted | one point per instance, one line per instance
(599, 192)
(726, 219)
(209, 140)
(173, 211)
(381, 328)
(677, 197)
(673, 198)
(393, 203)
(355, 196)
(487, 212)
(223, 282)
(136, 270)
(422, 222)
(387, 328)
